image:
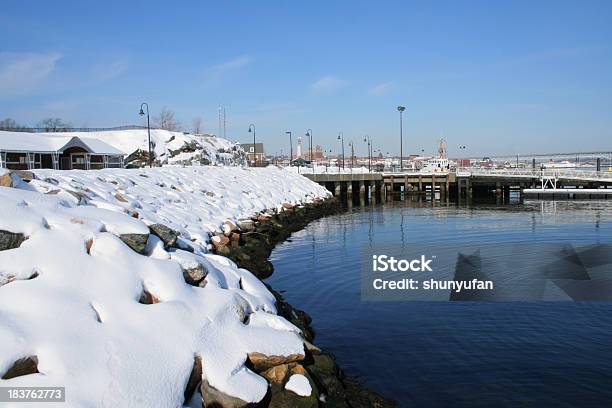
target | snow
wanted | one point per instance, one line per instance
(167, 144)
(70, 293)
(299, 384)
(21, 141)
(50, 142)
(194, 200)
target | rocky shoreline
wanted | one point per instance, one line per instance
(249, 244)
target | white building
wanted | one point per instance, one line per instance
(26, 151)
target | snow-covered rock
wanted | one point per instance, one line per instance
(81, 309)
(168, 147)
(299, 384)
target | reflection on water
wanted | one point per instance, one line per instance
(454, 353)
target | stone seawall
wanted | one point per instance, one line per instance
(249, 244)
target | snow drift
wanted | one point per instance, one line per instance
(120, 328)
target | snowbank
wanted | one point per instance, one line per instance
(167, 145)
(118, 328)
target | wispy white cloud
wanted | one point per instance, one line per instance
(215, 73)
(328, 84)
(23, 73)
(230, 65)
(381, 89)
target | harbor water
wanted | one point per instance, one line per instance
(454, 353)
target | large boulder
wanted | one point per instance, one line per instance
(138, 242)
(194, 378)
(24, 175)
(246, 225)
(5, 179)
(228, 227)
(11, 178)
(193, 265)
(261, 362)
(281, 396)
(166, 234)
(194, 276)
(21, 367)
(10, 240)
(212, 397)
(219, 240)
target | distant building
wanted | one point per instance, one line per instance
(26, 151)
(254, 153)
(318, 153)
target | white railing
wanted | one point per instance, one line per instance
(586, 175)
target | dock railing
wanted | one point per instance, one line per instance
(565, 174)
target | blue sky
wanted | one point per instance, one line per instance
(498, 77)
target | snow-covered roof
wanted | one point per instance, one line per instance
(98, 146)
(46, 143)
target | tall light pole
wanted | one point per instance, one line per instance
(141, 113)
(367, 139)
(309, 151)
(309, 134)
(462, 147)
(341, 137)
(290, 147)
(401, 110)
(352, 154)
(252, 129)
(312, 160)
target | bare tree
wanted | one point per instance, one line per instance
(197, 125)
(9, 123)
(166, 120)
(53, 125)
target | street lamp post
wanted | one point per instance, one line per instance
(367, 139)
(309, 134)
(352, 154)
(309, 153)
(252, 129)
(401, 110)
(141, 113)
(290, 147)
(341, 137)
(462, 147)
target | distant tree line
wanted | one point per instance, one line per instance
(47, 125)
(164, 120)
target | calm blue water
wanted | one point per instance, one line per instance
(460, 354)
